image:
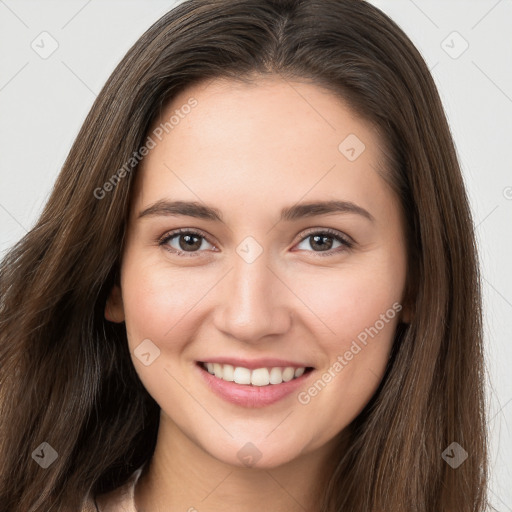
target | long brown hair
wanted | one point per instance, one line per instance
(66, 375)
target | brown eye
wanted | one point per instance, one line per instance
(189, 242)
(183, 241)
(323, 241)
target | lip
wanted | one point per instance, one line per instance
(245, 395)
(253, 364)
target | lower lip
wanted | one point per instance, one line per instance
(247, 395)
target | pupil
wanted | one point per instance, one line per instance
(317, 240)
(322, 246)
(189, 243)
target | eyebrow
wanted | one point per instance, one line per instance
(291, 213)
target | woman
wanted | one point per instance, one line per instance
(172, 338)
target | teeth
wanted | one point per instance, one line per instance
(288, 373)
(228, 372)
(242, 375)
(260, 377)
(299, 372)
(257, 377)
(217, 369)
(276, 376)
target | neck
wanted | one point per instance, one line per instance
(183, 476)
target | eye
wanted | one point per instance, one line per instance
(188, 240)
(322, 240)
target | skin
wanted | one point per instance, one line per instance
(250, 150)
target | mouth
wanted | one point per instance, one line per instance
(265, 376)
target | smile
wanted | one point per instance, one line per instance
(256, 377)
(260, 386)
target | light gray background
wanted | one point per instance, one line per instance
(43, 102)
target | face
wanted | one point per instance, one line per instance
(317, 288)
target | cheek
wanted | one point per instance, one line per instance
(158, 304)
(352, 301)
(157, 300)
(359, 308)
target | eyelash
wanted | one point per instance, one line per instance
(346, 243)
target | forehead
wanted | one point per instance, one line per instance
(270, 142)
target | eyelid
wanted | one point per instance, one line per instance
(328, 231)
(174, 232)
(344, 239)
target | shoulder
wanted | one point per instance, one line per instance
(88, 505)
(117, 500)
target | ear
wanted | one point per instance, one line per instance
(114, 310)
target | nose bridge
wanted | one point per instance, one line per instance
(252, 305)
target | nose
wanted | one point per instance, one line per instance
(254, 302)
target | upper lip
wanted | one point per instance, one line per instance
(252, 364)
